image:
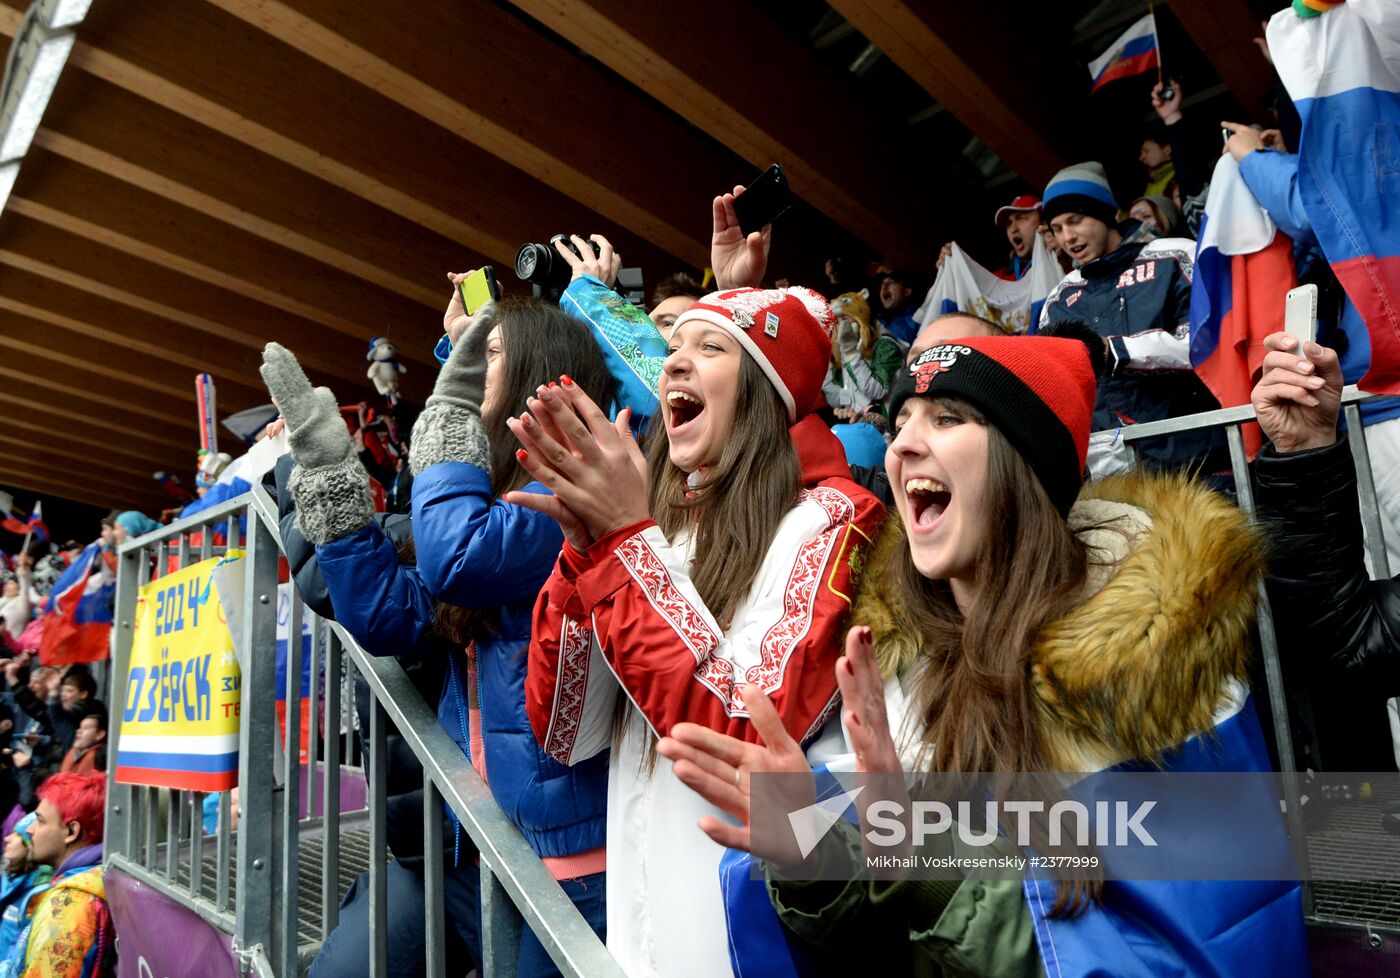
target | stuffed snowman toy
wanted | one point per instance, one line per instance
(384, 368)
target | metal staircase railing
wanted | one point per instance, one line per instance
(156, 834)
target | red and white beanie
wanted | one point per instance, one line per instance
(786, 331)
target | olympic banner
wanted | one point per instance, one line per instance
(180, 714)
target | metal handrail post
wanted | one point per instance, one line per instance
(378, 841)
(1366, 488)
(119, 825)
(330, 805)
(1273, 677)
(289, 797)
(254, 894)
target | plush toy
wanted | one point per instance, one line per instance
(854, 335)
(384, 368)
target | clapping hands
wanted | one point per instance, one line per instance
(592, 466)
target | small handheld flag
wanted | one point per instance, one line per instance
(1133, 53)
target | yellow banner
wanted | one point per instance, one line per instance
(180, 714)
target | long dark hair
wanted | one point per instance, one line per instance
(980, 710)
(734, 512)
(539, 344)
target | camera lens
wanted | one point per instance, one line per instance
(532, 262)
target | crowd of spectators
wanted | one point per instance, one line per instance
(53, 759)
(638, 555)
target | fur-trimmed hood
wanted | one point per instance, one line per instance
(1160, 638)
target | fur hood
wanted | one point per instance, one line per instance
(1160, 638)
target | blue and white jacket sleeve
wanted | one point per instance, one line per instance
(1272, 177)
(379, 600)
(632, 346)
(476, 552)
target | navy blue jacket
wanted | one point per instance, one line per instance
(475, 553)
(1138, 297)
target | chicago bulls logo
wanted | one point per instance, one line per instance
(932, 362)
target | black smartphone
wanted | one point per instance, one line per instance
(764, 200)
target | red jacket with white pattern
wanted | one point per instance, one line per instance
(626, 615)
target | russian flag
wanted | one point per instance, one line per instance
(1132, 54)
(33, 525)
(1342, 70)
(1244, 269)
(79, 612)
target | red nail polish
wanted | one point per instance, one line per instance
(564, 379)
(527, 421)
(521, 454)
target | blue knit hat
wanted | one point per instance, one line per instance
(1080, 189)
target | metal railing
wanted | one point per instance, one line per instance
(254, 894)
(1232, 421)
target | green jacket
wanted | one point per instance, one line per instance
(922, 928)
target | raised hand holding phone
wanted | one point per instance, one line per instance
(739, 258)
(478, 288)
(1299, 393)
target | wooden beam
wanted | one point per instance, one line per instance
(39, 480)
(103, 394)
(106, 294)
(177, 193)
(254, 191)
(183, 56)
(36, 353)
(45, 452)
(82, 434)
(1023, 107)
(498, 103)
(1224, 31)
(758, 91)
(92, 205)
(120, 423)
(33, 327)
(22, 294)
(42, 363)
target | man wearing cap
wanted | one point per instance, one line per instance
(1021, 221)
(1137, 296)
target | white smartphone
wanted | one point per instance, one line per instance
(1300, 315)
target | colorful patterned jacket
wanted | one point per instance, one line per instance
(70, 934)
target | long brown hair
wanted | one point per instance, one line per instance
(540, 343)
(980, 709)
(734, 512)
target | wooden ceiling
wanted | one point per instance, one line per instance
(213, 174)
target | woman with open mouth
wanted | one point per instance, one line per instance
(724, 557)
(1013, 621)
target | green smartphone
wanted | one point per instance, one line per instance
(479, 288)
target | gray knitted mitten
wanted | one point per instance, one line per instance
(328, 484)
(449, 429)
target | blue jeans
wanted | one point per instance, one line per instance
(346, 952)
(589, 895)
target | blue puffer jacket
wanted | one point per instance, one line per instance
(477, 555)
(15, 894)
